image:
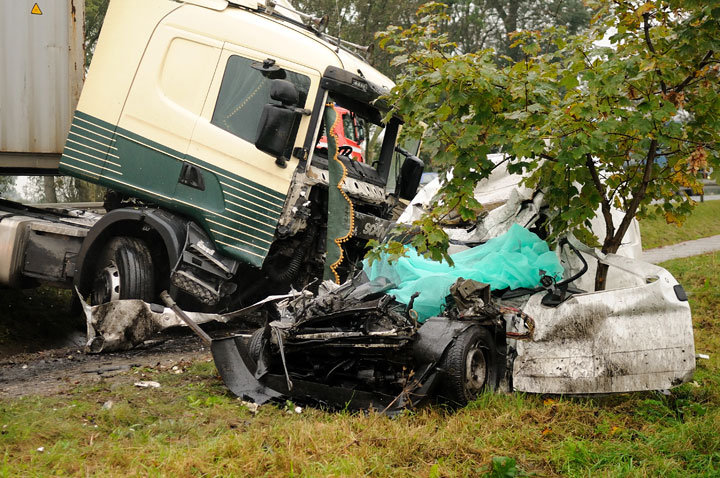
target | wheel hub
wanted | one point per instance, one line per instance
(475, 370)
(107, 285)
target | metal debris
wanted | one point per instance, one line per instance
(147, 384)
(124, 324)
(357, 348)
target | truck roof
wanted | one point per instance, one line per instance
(283, 12)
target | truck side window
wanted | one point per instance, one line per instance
(243, 93)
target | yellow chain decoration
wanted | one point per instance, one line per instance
(242, 105)
(340, 240)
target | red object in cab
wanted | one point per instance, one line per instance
(350, 131)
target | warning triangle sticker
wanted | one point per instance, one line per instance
(36, 10)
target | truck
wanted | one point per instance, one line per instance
(202, 119)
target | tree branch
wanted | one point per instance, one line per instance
(624, 135)
(639, 196)
(646, 27)
(690, 77)
(499, 9)
(604, 202)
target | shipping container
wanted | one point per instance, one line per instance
(41, 75)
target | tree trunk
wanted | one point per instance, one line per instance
(610, 246)
(49, 193)
(613, 241)
(508, 12)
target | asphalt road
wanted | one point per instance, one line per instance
(683, 249)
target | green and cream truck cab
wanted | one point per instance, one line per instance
(202, 117)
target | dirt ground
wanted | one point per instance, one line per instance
(42, 341)
(55, 370)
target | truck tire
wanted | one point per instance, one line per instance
(469, 366)
(124, 271)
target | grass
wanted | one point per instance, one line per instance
(191, 426)
(703, 222)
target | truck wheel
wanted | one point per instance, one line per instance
(469, 366)
(124, 271)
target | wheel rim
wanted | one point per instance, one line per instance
(475, 370)
(107, 285)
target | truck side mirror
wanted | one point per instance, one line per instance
(277, 122)
(410, 175)
(284, 92)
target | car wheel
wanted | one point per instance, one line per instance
(469, 366)
(124, 271)
(255, 344)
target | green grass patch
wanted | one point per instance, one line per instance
(192, 426)
(703, 222)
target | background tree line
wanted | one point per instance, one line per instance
(471, 25)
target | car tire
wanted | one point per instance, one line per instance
(124, 271)
(255, 343)
(469, 366)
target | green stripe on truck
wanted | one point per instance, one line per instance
(239, 215)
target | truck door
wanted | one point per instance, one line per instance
(253, 185)
(162, 107)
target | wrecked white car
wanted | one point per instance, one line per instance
(359, 347)
(635, 335)
(373, 343)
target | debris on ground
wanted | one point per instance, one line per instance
(128, 323)
(251, 406)
(147, 384)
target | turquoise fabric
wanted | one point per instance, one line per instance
(512, 260)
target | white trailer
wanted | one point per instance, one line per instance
(41, 75)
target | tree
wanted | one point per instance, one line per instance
(94, 16)
(53, 189)
(626, 125)
(471, 24)
(474, 25)
(358, 20)
(7, 186)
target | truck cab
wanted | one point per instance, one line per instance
(203, 119)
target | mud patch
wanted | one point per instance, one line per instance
(54, 371)
(37, 319)
(581, 323)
